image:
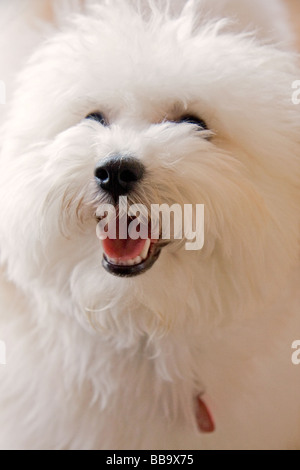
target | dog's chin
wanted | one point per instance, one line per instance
(129, 269)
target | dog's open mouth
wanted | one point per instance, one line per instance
(128, 257)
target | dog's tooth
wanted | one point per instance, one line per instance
(130, 262)
(112, 260)
(145, 251)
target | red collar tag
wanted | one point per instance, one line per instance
(204, 418)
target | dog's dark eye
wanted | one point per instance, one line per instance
(189, 119)
(99, 117)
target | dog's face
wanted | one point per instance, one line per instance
(170, 113)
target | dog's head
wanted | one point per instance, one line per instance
(158, 110)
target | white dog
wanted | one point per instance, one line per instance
(195, 351)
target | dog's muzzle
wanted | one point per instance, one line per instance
(118, 176)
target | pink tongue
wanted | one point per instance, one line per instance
(123, 250)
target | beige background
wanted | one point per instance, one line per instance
(294, 6)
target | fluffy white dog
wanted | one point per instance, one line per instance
(192, 349)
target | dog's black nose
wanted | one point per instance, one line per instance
(118, 175)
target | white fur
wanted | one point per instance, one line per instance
(100, 362)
